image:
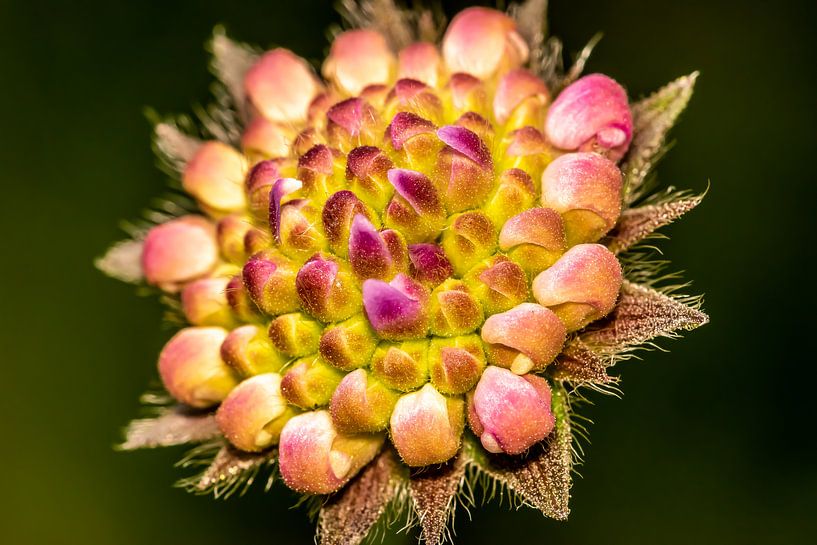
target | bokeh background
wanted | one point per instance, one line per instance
(713, 442)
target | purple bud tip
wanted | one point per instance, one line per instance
(317, 159)
(429, 263)
(368, 253)
(417, 189)
(406, 125)
(396, 309)
(281, 188)
(316, 278)
(348, 114)
(467, 143)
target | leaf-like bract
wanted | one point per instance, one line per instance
(579, 364)
(433, 491)
(174, 147)
(636, 224)
(230, 63)
(230, 471)
(173, 426)
(122, 261)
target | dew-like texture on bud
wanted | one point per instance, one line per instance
(586, 189)
(592, 113)
(534, 333)
(581, 286)
(359, 58)
(510, 413)
(215, 177)
(361, 403)
(204, 302)
(192, 369)
(280, 85)
(249, 351)
(480, 41)
(314, 458)
(426, 426)
(179, 250)
(270, 282)
(327, 292)
(254, 413)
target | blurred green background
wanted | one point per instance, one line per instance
(713, 442)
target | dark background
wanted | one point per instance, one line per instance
(713, 442)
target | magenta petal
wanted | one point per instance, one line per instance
(405, 125)
(416, 188)
(368, 252)
(347, 114)
(467, 143)
(281, 188)
(429, 263)
(394, 309)
(315, 280)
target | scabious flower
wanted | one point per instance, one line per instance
(412, 262)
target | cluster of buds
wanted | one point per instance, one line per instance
(398, 251)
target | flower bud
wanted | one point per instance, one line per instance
(369, 254)
(248, 350)
(481, 41)
(349, 344)
(464, 168)
(514, 193)
(455, 364)
(525, 338)
(215, 177)
(467, 94)
(410, 95)
(352, 122)
(178, 251)
(526, 149)
(498, 283)
(469, 238)
(295, 334)
(230, 234)
(535, 239)
(240, 301)
(415, 139)
(281, 85)
(309, 383)
(514, 87)
(270, 281)
(358, 58)
(426, 427)
(259, 183)
(327, 291)
(254, 413)
(428, 264)
(263, 139)
(420, 61)
(586, 189)
(361, 403)
(366, 169)
(398, 309)
(510, 413)
(315, 459)
(300, 229)
(454, 310)
(317, 171)
(582, 286)
(416, 210)
(402, 366)
(339, 211)
(191, 367)
(204, 302)
(591, 114)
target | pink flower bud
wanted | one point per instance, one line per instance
(264, 139)
(455, 364)
(582, 286)
(315, 459)
(369, 254)
(397, 310)
(316, 168)
(414, 138)
(469, 238)
(248, 350)
(191, 367)
(467, 94)
(591, 113)
(215, 177)
(204, 302)
(402, 366)
(281, 86)
(498, 283)
(454, 310)
(327, 291)
(514, 87)
(309, 383)
(420, 61)
(352, 122)
(535, 238)
(410, 95)
(464, 168)
(270, 281)
(429, 264)
(417, 210)
(349, 344)
(295, 334)
(510, 413)
(179, 250)
(366, 169)
(359, 58)
(586, 189)
(426, 427)
(527, 149)
(361, 404)
(534, 333)
(240, 301)
(259, 184)
(230, 234)
(254, 413)
(514, 193)
(339, 211)
(257, 240)
(481, 41)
